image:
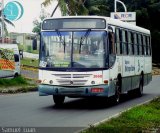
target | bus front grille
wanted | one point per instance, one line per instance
(81, 75)
(72, 79)
(71, 82)
(62, 75)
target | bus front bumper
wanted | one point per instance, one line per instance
(100, 90)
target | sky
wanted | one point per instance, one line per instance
(32, 10)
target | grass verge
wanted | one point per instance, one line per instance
(29, 62)
(144, 118)
(16, 85)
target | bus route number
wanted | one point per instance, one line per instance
(97, 76)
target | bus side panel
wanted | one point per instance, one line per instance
(109, 77)
(113, 73)
(148, 70)
(128, 73)
(139, 68)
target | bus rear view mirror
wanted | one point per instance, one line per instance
(34, 44)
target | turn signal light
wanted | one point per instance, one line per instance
(97, 90)
(51, 82)
(39, 81)
(106, 81)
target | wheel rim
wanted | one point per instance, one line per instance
(117, 96)
(141, 88)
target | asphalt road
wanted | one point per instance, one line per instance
(30, 110)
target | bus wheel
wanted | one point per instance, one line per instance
(139, 91)
(117, 92)
(58, 100)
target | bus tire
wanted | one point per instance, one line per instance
(117, 96)
(58, 100)
(139, 90)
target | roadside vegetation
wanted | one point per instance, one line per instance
(27, 49)
(144, 118)
(15, 85)
(29, 62)
(156, 69)
(13, 82)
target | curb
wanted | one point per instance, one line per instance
(19, 90)
(30, 78)
(29, 68)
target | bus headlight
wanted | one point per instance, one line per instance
(51, 82)
(93, 82)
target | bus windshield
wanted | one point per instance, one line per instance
(73, 49)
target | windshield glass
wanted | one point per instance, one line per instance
(80, 49)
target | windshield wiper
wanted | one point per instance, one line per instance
(83, 38)
(61, 40)
(59, 34)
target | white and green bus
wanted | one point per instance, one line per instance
(92, 56)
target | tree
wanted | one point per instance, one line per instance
(70, 7)
(37, 22)
(97, 7)
(81, 7)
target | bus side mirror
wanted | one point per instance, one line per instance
(110, 29)
(34, 44)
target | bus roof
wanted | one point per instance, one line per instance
(111, 21)
(126, 25)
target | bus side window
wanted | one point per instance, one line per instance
(121, 44)
(130, 43)
(111, 43)
(144, 45)
(149, 45)
(16, 57)
(135, 45)
(140, 44)
(124, 42)
(117, 35)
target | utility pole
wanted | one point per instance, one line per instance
(115, 5)
(2, 21)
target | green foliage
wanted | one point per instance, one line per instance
(97, 7)
(21, 47)
(29, 62)
(37, 22)
(13, 82)
(139, 119)
(29, 48)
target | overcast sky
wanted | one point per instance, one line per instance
(32, 10)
